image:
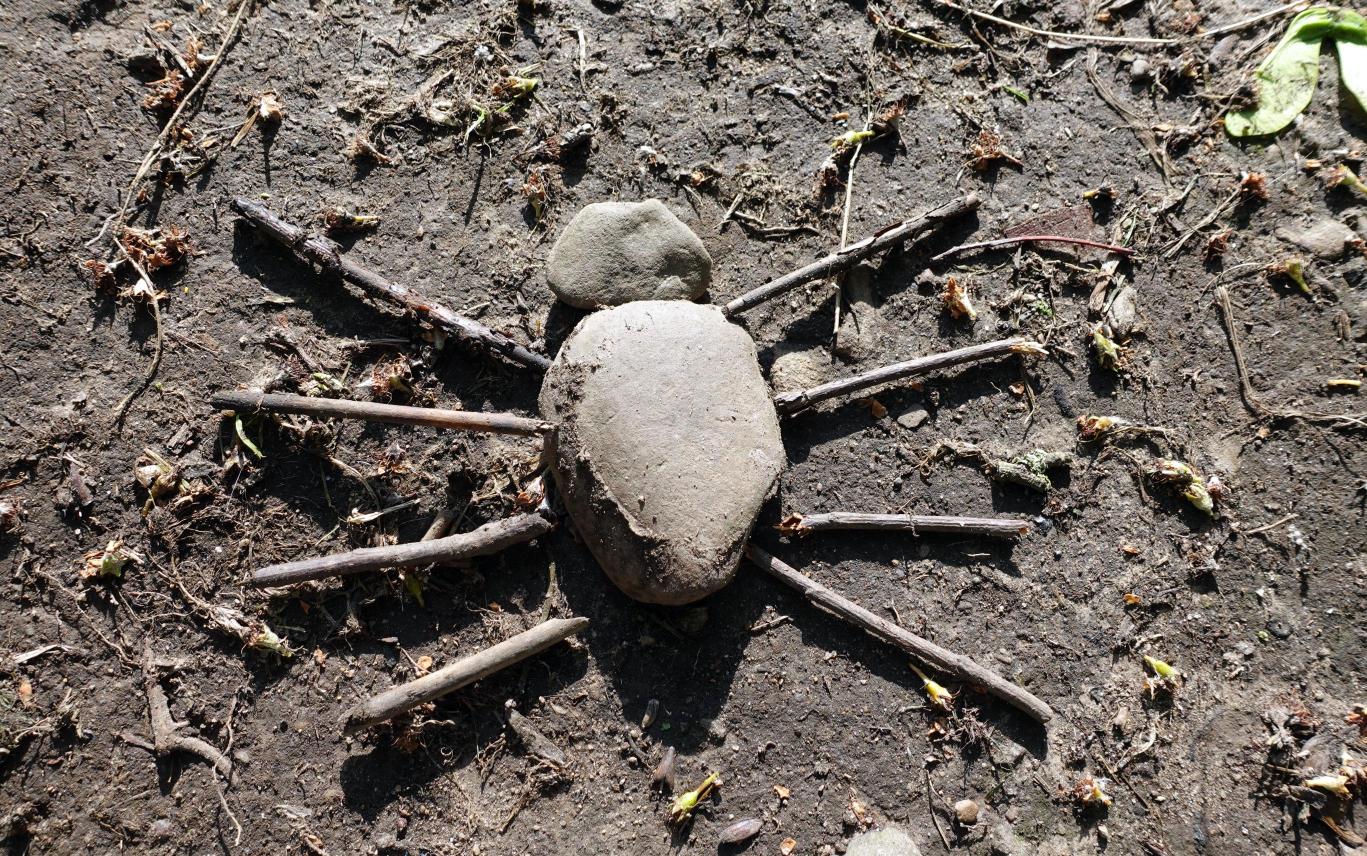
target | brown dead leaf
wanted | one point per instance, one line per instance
(783, 792)
(787, 846)
(424, 664)
(25, 692)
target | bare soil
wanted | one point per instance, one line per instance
(816, 729)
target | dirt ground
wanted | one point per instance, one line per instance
(725, 111)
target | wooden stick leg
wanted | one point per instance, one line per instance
(487, 539)
(331, 408)
(467, 670)
(792, 402)
(916, 524)
(924, 650)
(326, 254)
(907, 230)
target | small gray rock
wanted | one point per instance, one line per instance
(796, 369)
(1323, 237)
(668, 444)
(913, 419)
(888, 841)
(613, 253)
(1123, 315)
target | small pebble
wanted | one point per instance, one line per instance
(966, 811)
(741, 830)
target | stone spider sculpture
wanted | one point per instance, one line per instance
(649, 407)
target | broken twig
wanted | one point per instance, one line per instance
(487, 539)
(537, 744)
(331, 408)
(327, 255)
(1251, 400)
(907, 230)
(166, 736)
(466, 670)
(916, 524)
(1032, 239)
(792, 402)
(924, 650)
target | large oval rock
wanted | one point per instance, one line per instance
(613, 253)
(668, 444)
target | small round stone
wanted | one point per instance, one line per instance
(613, 253)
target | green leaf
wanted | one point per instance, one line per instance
(242, 436)
(1286, 79)
(1350, 39)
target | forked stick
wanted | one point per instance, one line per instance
(326, 254)
(466, 670)
(916, 524)
(331, 408)
(792, 402)
(924, 650)
(487, 539)
(913, 229)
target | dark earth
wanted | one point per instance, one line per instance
(725, 111)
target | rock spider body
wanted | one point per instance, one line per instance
(667, 447)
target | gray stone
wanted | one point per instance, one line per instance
(1123, 315)
(796, 369)
(888, 841)
(913, 419)
(617, 252)
(668, 444)
(1323, 237)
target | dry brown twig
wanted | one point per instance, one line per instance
(1032, 239)
(486, 540)
(908, 230)
(466, 670)
(166, 732)
(924, 650)
(1127, 40)
(793, 402)
(916, 524)
(1251, 399)
(169, 129)
(327, 255)
(329, 408)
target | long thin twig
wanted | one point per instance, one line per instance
(1215, 213)
(1027, 239)
(792, 402)
(327, 255)
(466, 670)
(924, 650)
(916, 524)
(1251, 400)
(171, 127)
(330, 408)
(1126, 40)
(913, 229)
(487, 539)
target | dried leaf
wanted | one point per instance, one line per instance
(783, 792)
